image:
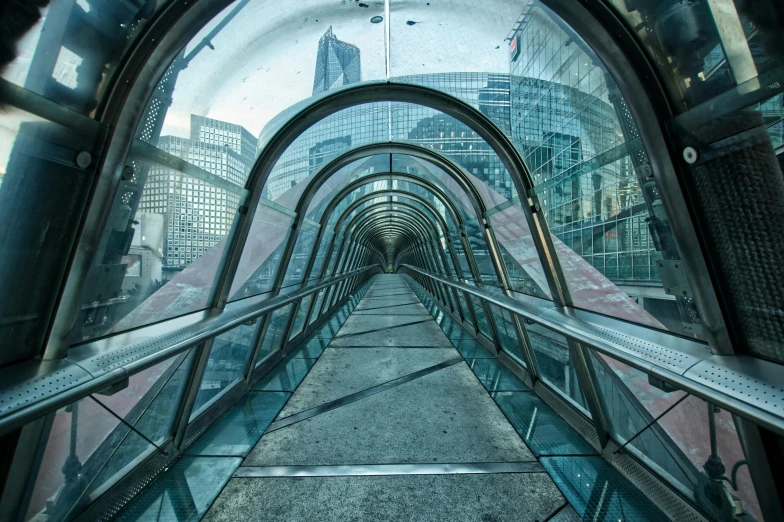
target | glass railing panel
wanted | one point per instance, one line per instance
(321, 255)
(467, 317)
(261, 255)
(166, 240)
(226, 364)
(87, 448)
(273, 338)
(482, 324)
(507, 334)
(555, 364)
(518, 251)
(157, 393)
(317, 307)
(302, 315)
(670, 431)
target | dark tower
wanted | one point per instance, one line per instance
(337, 63)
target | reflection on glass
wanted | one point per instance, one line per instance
(678, 444)
(74, 455)
(148, 404)
(577, 136)
(314, 315)
(69, 55)
(556, 367)
(226, 364)
(41, 195)
(507, 334)
(300, 256)
(175, 209)
(518, 251)
(275, 331)
(299, 320)
(261, 255)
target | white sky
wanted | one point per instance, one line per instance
(264, 60)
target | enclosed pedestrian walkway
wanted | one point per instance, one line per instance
(394, 412)
(392, 259)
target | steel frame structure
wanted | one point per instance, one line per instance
(122, 109)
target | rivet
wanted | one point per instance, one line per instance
(690, 155)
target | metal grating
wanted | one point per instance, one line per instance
(197, 427)
(31, 382)
(654, 353)
(582, 425)
(672, 504)
(109, 505)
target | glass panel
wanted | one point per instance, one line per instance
(167, 237)
(467, 317)
(226, 364)
(317, 307)
(555, 364)
(70, 53)
(518, 250)
(269, 232)
(677, 446)
(76, 451)
(298, 263)
(583, 149)
(275, 331)
(507, 335)
(299, 321)
(332, 50)
(42, 193)
(481, 318)
(692, 53)
(149, 404)
(476, 238)
(321, 254)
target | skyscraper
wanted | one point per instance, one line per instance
(198, 213)
(337, 63)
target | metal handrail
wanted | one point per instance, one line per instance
(18, 379)
(564, 320)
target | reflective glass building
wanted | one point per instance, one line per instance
(488, 260)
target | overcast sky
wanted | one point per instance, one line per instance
(264, 60)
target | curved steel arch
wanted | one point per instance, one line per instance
(440, 195)
(451, 168)
(409, 93)
(455, 265)
(435, 253)
(464, 242)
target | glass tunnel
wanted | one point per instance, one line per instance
(392, 260)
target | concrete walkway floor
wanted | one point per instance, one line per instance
(391, 423)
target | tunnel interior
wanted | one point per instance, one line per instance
(393, 259)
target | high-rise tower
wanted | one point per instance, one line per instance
(337, 63)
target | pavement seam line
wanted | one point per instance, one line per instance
(354, 397)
